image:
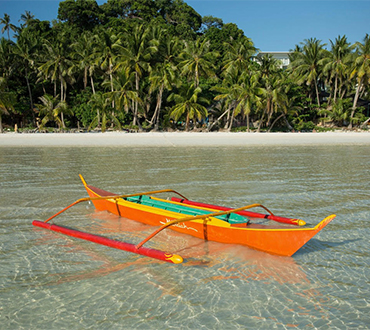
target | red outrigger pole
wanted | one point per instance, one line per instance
(297, 222)
(153, 253)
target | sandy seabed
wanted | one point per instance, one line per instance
(181, 139)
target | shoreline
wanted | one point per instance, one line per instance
(180, 139)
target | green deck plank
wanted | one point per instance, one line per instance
(184, 209)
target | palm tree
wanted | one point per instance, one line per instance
(306, 67)
(163, 75)
(104, 56)
(277, 97)
(101, 104)
(361, 70)
(24, 49)
(162, 78)
(272, 81)
(336, 64)
(229, 93)
(27, 17)
(197, 60)
(295, 53)
(238, 56)
(235, 92)
(280, 97)
(268, 65)
(6, 58)
(7, 100)
(169, 49)
(83, 52)
(52, 110)
(134, 55)
(249, 94)
(187, 102)
(338, 113)
(123, 93)
(57, 67)
(7, 25)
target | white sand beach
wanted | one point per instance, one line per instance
(181, 139)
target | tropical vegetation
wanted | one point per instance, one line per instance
(159, 65)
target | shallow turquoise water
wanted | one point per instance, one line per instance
(50, 281)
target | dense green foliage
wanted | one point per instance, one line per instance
(157, 64)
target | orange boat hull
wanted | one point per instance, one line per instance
(274, 240)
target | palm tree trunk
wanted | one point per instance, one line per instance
(274, 122)
(187, 122)
(112, 90)
(85, 77)
(111, 81)
(218, 119)
(136, 118)
(269, 111)
(62, 99)
(111, 87)
(196, 78)
(269, 116)
(317, 94)
(365, 123)
(287, 123)
(136, 101)
(155, 117)
(30, 96)
(156, 127)
(231, 121)
(362, 91)
(335, 87)
(227, 119)
(93, 90)
(359, 86)
(92, 84)
(260, 123)
(1, 123)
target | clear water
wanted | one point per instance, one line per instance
(51, 281)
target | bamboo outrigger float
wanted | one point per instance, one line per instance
(205, 221)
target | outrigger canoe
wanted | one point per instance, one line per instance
(280, 236)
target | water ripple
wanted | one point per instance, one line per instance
(50, 281)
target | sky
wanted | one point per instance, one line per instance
(275, 25)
